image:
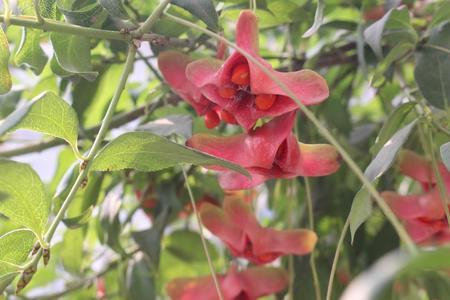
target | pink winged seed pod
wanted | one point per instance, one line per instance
(270, 151)
(236, 225)
(250, 284)
(423, 214)
(236, 90)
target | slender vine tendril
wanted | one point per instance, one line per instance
(202, 236)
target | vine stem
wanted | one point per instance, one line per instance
(96, 145)
(57, 26)
(336, 258)
(205, 247)
(312, 261)
(82, 176)
(148, 24)
(322, 130)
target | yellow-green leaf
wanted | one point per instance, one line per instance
(5, 76)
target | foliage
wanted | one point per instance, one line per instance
(117, 117)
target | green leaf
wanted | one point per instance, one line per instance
(318, 19)
(6, 280)
(8, 103)
(398, 52)
(391, 125)
(72, 250)
(370, 283)
(80, 220)
(48, 8)
(73, 53)
(139, 279)
(144, 151)
(432, 72)
(202, 9)
(441, 14)
(149, 240)
(395, 27)
(28, 203)
(80, 12)
(48, 114)
(115, 8)
(361, 205)
(14, 249)
(29, 52)
(445, 154)
(176, 243)
(5, 76)
(15, 246)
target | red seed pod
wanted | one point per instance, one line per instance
(265, 101)
(211, 119)
(241, 74)
(227, 92)
(227, 117)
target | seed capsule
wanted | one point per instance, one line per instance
(227, 92)
(241, 74)
(265, 101)
(211, 119)
(227, 117)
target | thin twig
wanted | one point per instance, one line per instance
(312, 261)
(205, 247)
(336, 258)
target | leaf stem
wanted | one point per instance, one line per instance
(205, 247)
(321, 128)
(312, 261)
(112, 106)
(96, 145)
(57, 26)
(37, 10)
(336, 258)
(148, 24)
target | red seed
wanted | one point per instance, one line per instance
(227, 117)
(227, 92)
(211, 119)
(265, 101)
(241, 74)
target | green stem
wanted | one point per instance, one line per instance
(336, 259)
(205, 247)
(322, 130)
(112, 106)
(96, 145)
(312, 260)
(148, 24)
(57, 26)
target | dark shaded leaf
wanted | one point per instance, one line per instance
(432, 72)
(73, 54)
(202, 9)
